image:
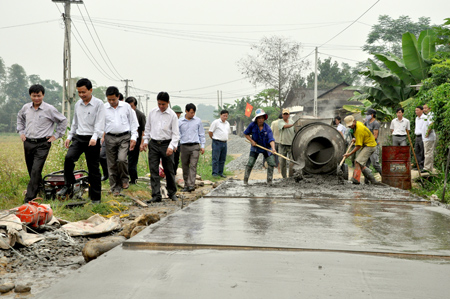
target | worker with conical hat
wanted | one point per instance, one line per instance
(258, 132)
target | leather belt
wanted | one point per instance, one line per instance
(161, 141)
(190, 144)
(37, 140)
(119, 134)
(219, 140)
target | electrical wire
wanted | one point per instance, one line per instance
(339, 57)
(98, 49)
(28, 24)
(101, 44)
(350, 24)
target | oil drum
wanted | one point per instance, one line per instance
(396, 166)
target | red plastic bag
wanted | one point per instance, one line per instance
(161, 171)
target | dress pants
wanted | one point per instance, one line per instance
(103, 160)
(156, 152)
(429, 154)
(116, 154)
(35, 155)
(80, 144)
(418, 148)
(189, 160)
(219, 155)
(133, 159)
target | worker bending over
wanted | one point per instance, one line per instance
(365, 141)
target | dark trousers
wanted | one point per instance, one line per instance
(116, 154)
(176, 158)
(80, 145)
(420, 153)
(35, 155)
(219, 155)
(103, 160)
(157, 152)
(133, 159)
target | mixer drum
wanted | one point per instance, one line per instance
(320, 146)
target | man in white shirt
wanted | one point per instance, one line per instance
(418, 144)
(340, 127)
(120, 136)
(218, 131)
(87, 127)
(162, 129)
(429, 139)
(400, 127)
(276, 135)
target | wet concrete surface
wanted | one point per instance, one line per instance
(259, 241)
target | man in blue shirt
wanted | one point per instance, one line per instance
(192, 142)
(258, 132)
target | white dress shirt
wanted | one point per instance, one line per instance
(220, 129)
(88, 120)
(428, 121)
(419, 124)
(162, 126)
(121, 119)
(399, 127)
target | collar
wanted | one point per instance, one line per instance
(121, 104)
(40, 106)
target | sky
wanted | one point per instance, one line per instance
(188, 48)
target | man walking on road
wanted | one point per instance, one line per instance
(259, 133)
(162, 130)
(276, 136)
(429, 139)
(87, 127)
(286, 128)
(218, 131)
(133, 155)
(374, 126)
(120, 137)
(192, 139)
(400, 128)
(35, 122)
(418, 144)
(365, 141)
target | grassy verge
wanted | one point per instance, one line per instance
(14, 179)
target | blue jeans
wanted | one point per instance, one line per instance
(219, 155)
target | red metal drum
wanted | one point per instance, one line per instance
(396, 166)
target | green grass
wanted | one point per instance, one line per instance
(14, 179)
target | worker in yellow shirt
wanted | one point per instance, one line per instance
(365, 141)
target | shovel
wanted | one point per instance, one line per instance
(415, 158)
(301, 165)
(339, 169)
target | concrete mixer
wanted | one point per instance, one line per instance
(318, 146)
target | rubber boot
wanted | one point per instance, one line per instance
(269, 175)
(356, 179)
(368, 175)
(248, 170)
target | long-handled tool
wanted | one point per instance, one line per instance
(279, 155)
(415, 158)
(339, 169)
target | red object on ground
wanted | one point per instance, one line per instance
(34, 214)
(248, 110)
(396, 166)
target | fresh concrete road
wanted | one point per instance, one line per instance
(308, 240)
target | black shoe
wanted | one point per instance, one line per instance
(190, 189)
(173, 197)
(66, 190)
(185, 189)
(104, 178)
(154, 199)
(222, 175)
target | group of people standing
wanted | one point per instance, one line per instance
(123, 131)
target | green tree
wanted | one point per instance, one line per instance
(274, 63)
(16, 91)
(386, 36)
(330, 74)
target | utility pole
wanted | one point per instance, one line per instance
(126, 86)
(68, 84)
(315, 84)
(146, 104)
(139, 101)
(221, 99)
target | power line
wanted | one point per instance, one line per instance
(350, 24)
(208, 86)
(28, 24)
(101, 44)
(339, 57)
(95, 43)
